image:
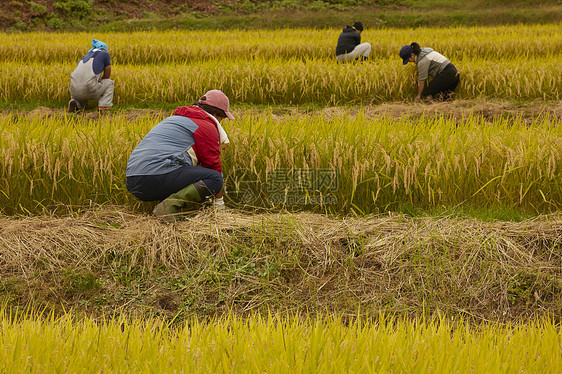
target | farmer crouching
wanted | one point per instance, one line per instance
(178, 161)
(431, 64)
(349, 47)
(90, 80)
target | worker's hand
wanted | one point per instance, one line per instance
(418, 98)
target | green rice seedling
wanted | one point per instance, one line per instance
(275, 344)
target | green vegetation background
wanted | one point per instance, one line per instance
(122, 15)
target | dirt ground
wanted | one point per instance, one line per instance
(463, 108)
(456, 109)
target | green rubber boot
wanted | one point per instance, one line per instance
(188, 197)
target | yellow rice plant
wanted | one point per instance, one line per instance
(149, 47)
(293, 66)
(287, 82)
(371, 164)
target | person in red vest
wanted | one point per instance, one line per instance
(178, 162)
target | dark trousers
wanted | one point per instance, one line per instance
(159, 187)
(445, 82)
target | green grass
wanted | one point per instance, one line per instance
(491, 213)
(403, 18)
(253, 15)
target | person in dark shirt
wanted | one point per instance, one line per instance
(349, 46)
(91, 79)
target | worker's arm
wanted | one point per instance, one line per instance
(106, 72)
(423, 74)
(421, 85)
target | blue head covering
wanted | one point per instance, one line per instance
(406, 53)
(96, 44)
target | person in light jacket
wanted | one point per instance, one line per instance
(445, 76)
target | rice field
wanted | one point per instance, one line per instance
(276, 344)
(285, 67)
(161, 47)
(339, 163)
(342, 160)
(292, 82)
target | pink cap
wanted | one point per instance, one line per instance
(218, 99)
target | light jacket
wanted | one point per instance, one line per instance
(189, 137)
(430, 63)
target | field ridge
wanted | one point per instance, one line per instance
(108, 260)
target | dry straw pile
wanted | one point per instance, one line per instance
(108, 260)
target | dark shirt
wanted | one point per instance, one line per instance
(101, 61)
(348, 40)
